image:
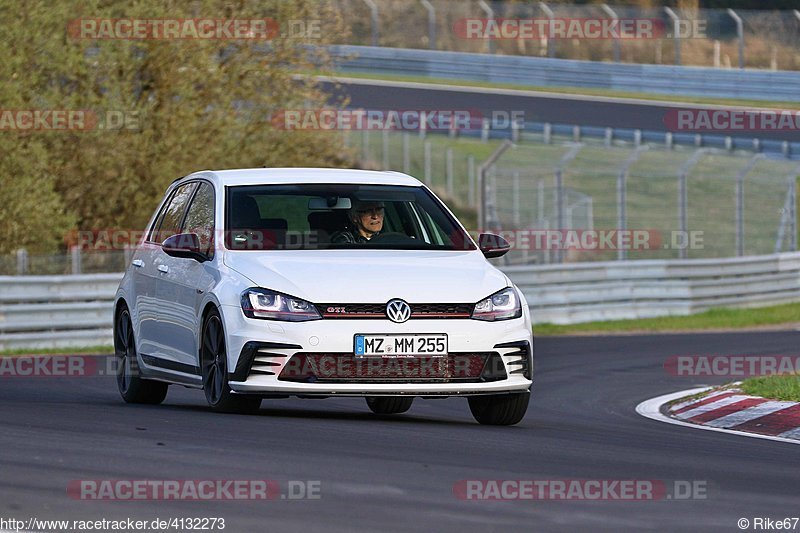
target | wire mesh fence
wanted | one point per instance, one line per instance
(707, 37)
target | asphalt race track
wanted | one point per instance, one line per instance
(537, 107)
(398, 473)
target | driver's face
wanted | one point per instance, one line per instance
(370, 220)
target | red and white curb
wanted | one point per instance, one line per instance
(728, 411)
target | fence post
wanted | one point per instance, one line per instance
(471, 180)
(683, 200)
(551, 50)
(740, 202)
(676, 32)
(559, 193)
(406, 153)
(611, 13)
(431, 24)
(427, 164)
(385, 149)
(449, 171)
(515, 201)
(622, 196)
(490, 15)
(75, 252)
(739, 34)
(22, 261)
(373, 11)
(127, 253)
(483, 211)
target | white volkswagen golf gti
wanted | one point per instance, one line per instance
(269, 283)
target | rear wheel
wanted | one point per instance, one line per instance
(389, 405)
(214, 362)
(132, 387)
(499, 409)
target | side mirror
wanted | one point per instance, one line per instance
(185, 245)
(493, 245)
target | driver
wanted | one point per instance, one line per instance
(365, 219)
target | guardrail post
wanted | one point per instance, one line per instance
(431, 24)
(668, 140)
(637, 138)
(576, 134)
(739, 33)
(22, 261)
(740, 202)
(406, 153)
(786, 149)
(547, 133)
(423, 124)
(609, 137)
(490, 15)
(611, 13)
(515, 131)
(75, 252)
(373, 10)
(756, 145)
(793, 212)
(676, 33)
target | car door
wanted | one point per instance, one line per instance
(183, 282)
(144, 275)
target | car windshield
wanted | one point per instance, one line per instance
(339, 216)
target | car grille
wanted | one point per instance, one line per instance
(344, 311)
(346, 368)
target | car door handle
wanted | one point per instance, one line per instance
(163, 268)
(138, 263)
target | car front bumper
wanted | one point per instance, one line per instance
(276, 343)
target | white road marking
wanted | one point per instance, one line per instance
(791, 434)
(751, 413)
(679, 406)
(652, 409)
(712, 406)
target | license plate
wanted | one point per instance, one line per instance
(400, 345)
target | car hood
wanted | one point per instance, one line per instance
(374, 276)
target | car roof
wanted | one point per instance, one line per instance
(267, 176)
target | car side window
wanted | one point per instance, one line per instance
(173, 215)
(200, 218)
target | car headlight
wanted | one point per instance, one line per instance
(503, 305)
(271, 305)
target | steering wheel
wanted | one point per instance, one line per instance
(392, 237)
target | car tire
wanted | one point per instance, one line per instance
(214, 369)
(499, 409)
(389, 405)
(132, 387)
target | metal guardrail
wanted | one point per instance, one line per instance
(63, 311)
(548, 72)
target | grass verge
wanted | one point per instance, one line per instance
(784, 387)
(714, 319)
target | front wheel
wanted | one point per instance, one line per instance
(132, 387)
(214, 363)
(499, 409)
(389, 405)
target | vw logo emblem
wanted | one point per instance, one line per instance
(398, 311)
